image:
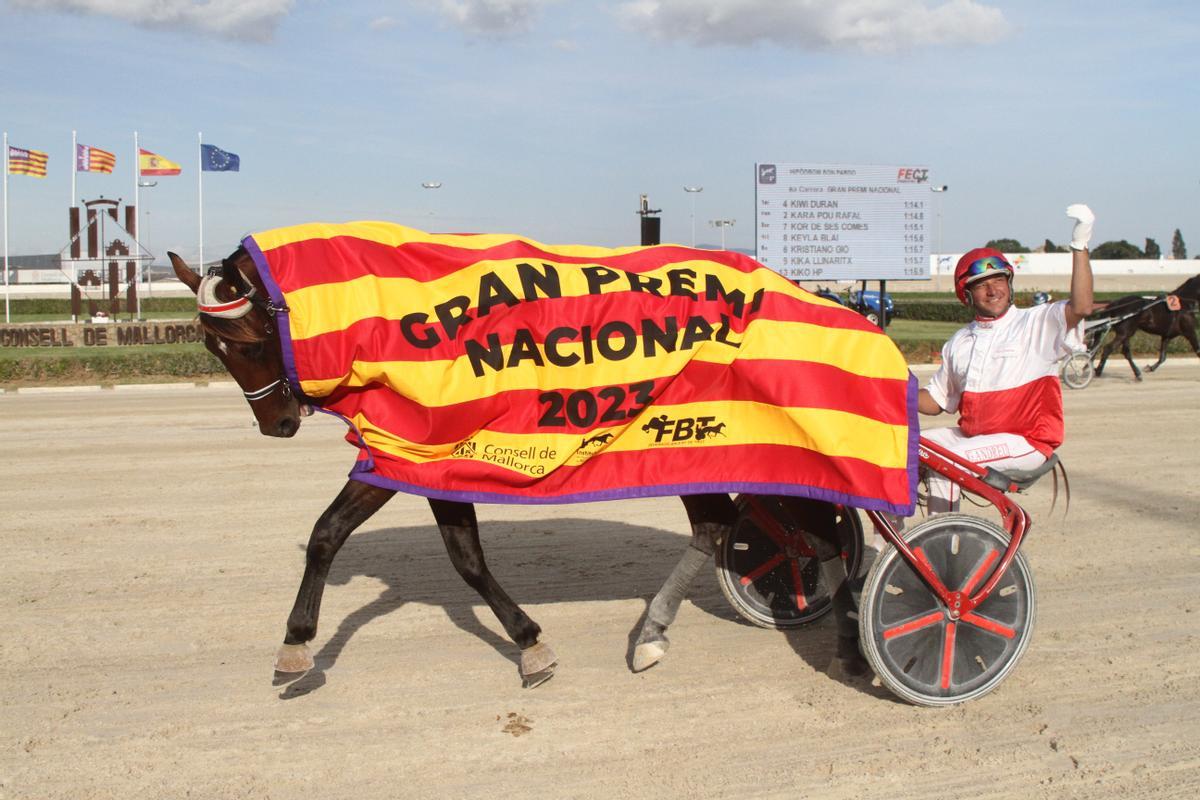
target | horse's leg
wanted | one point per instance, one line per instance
(1187, 328)
(353, 506)
(460, 532)
(1104, 352)
(1127, 351)
(712, 517)
(1162, 354)
(848, 659)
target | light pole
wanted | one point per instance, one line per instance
(431, 185)
(937, 279)
(722, 224)
(693, 191)
(138, 239)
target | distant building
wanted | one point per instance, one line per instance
(37, 269)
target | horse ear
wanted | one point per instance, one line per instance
(184, 272)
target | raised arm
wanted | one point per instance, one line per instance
(1081, 302)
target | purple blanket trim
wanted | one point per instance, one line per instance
(282, 323)
(914, 440)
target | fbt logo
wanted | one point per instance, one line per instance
(684, 429)
(912, 175)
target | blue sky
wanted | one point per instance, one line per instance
(549, 117)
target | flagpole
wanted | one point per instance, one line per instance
(136, 232)
(74, 156)
(6, 314)
(200, 193)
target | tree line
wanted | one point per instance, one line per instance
(1107, 250)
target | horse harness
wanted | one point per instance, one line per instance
(240, 306)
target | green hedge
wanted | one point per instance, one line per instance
(932, 310)
(946, 308)
(62, 305)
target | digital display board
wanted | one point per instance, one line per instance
(843, 222)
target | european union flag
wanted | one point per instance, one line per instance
(214, 159)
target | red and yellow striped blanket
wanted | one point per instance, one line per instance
(493, 368)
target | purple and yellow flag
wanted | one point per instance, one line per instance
(492, 368)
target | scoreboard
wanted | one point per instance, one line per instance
(843, 222)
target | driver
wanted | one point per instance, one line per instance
(1000, 372)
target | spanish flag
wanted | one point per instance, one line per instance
(153, 164)
(493, 368)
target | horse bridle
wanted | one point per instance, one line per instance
(238, 307)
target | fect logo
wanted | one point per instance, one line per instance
(912, 175)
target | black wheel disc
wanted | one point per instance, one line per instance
(769, 569)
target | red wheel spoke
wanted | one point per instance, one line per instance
(803, 548)
(984, 569)
(798, 580)
(989, 625)
(770, 526)
(763, 568)
(948, 656)
(914, 625)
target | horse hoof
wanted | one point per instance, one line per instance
(537, 665)
(647, 654)
(293, 658)
(537, 678)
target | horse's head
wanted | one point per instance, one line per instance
(1189, 289)
(239, 329)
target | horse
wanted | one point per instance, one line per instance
(1157, 318)
(239, 325)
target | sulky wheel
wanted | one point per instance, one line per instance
(908, 637)
(769, 568)
(1077, 371)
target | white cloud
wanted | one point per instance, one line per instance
(868, 25)
(489, 17)
(242, 19)
(383, 23)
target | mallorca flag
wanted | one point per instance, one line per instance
(93, 159)
(492, 368)
(27, 162)
(154, 164)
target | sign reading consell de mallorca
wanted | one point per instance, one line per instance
(104, 335)
(843, 222)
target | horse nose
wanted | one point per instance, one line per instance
(287, 427)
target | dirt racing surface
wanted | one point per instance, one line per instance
(153, 543)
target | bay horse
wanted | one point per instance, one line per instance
(1157, 318)
(238, 320)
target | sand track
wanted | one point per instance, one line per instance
(153, 543)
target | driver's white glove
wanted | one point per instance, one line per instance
(1084, 218)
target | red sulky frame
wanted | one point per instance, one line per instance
(970, 477)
